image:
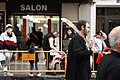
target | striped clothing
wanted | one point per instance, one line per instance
(7, 42)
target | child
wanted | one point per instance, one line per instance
(32, 50)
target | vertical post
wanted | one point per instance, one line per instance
(92, 61)
(41, 59)
(24, 30)
(49, 25)
(65, 64)
(35, 60)
(47, 64)
(22, 62)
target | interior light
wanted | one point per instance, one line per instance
(45, 25)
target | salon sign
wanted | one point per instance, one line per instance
(34, 6)
(31, 7)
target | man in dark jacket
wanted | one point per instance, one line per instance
(49, 44)
(40, 37)
(109, 67)
(35, 37)
(78, 60)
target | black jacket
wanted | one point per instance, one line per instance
(78, 60)
(109, 67)
(36, 38)
(46, 45)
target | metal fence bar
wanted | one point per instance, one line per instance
(93, 70)
(20, 63)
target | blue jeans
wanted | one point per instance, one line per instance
(36, 66)
(36, 62)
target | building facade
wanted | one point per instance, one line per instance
(102, 15)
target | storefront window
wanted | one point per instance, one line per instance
(100, 23)
(100, 11)
(68, 32)
(118, 1)
(2, 21)
(113, 11)
(23, 26)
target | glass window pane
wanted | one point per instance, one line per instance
(112, 11)
(23, 26)
(100, 11)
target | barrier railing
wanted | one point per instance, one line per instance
(93, 70)
(23, 65)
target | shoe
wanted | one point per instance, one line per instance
(5, 69)
(31, 75)
(39, 74)
(5, 73)
(93, 75)
(8, 74)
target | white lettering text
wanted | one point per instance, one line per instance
(37, 7)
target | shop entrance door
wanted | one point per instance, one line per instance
(113, 23)
(110, 23)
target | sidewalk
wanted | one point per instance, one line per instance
(25, 75)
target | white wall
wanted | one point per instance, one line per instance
(87, 12)
(70, 11)
(93, 20)
(106, 1)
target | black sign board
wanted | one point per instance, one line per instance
(2, 0)
(76, 1)
(34, 7)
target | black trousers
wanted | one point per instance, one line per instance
(49, 59)
(95, 58)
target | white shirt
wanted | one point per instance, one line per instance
(97, 43)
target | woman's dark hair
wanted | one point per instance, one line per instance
(32, 45)
(81, 23)
(99, 33)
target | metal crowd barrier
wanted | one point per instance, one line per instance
(18, 65)
(93, 70)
